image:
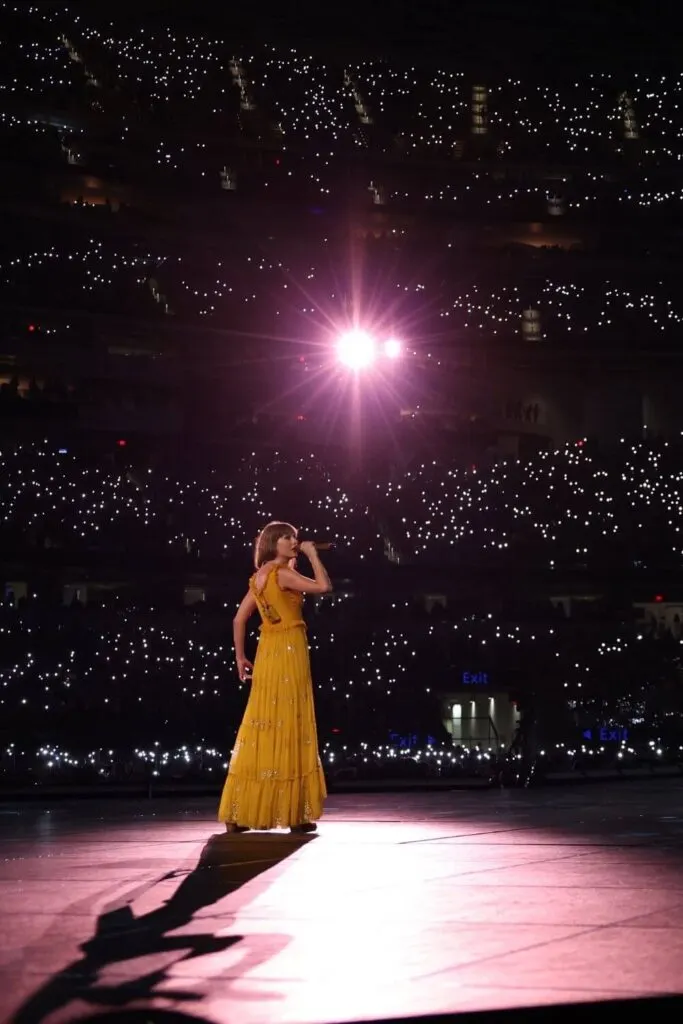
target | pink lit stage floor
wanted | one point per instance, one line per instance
(401, 905)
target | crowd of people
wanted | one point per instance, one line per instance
(81, 684)
(145, 664)
(164, 101)
(309, 99)
(581, 509)
(302, 103)
(295, 290)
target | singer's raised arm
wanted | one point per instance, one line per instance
(290, 579)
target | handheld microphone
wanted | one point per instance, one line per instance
(323, 545)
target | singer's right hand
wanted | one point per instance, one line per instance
(244, 669)
(308, 548)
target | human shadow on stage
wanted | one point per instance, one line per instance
(225, 864)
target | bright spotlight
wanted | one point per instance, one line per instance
(392, 348)
(356, 349)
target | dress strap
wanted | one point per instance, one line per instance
(269, 613)
(258, 591)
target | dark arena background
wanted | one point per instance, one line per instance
(410, 278)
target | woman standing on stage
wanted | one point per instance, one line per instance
(275, 778)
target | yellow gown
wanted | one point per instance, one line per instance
(275, 778)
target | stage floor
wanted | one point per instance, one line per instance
(401, 905)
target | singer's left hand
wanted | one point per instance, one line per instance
(308, 548)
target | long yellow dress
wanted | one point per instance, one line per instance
(275, 778)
